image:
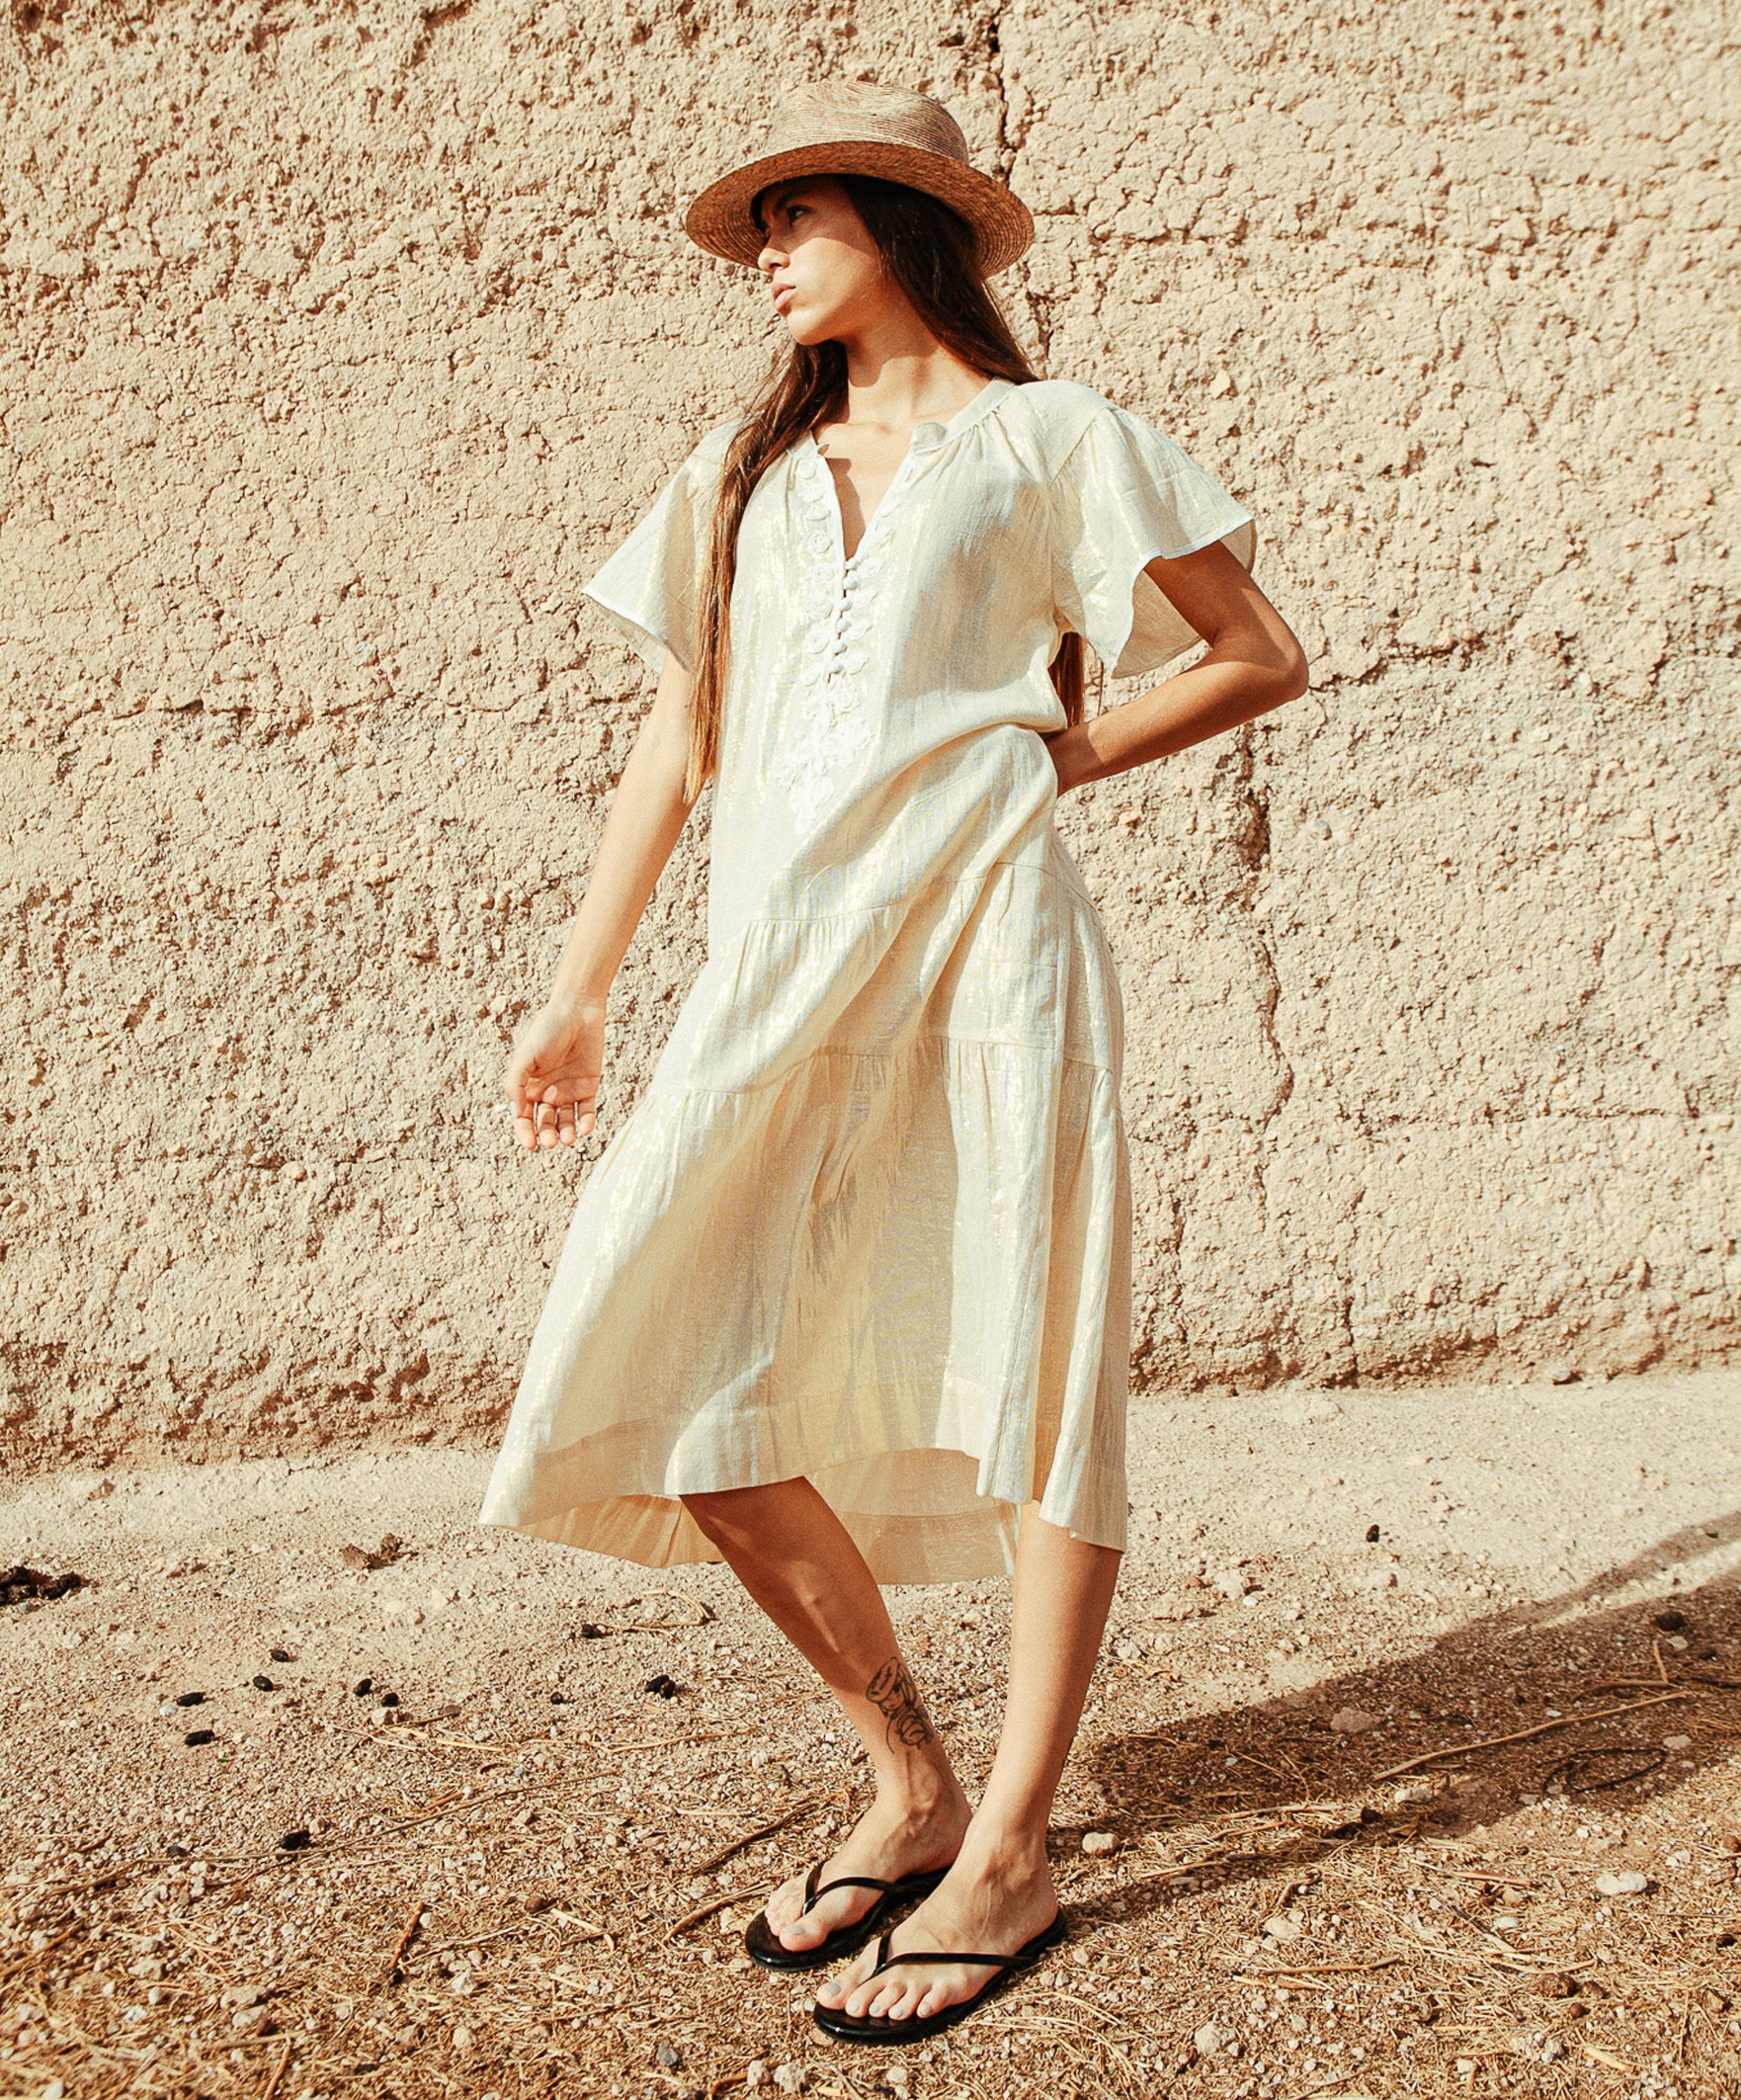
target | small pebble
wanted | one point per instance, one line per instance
(295, 1841)
(1208, 2040)
(363, 1687)
(196, 1736)
(282, 1655)
(1677, 1742)
(1372, 1534)
(1098, 1844)
(1354, 1720)
(789, 2077)
(661, 1687)
(588, 1631)
(263, 1683)
(756, 2076)
(191, 1699)
(390, 1699)
(668, 2057)
(1622, 1884)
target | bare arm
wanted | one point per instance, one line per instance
(1254, 664)
(553, 1070)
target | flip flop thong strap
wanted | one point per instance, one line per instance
(895, 1960)
(813, 1895)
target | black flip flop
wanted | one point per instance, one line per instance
(762, 1944)
(886, 2034)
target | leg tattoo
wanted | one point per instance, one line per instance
(897, 1697)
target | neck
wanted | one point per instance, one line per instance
(898, 373)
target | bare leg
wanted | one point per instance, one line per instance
(797, 1561)
(999, 1893)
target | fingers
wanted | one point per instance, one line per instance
(551, 1116)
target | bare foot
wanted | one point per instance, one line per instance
(888, 1842)
(996, 1907)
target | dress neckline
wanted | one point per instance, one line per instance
(924, 438)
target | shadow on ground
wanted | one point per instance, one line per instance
(1587, 1692)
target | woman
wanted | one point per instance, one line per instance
(847, 1298)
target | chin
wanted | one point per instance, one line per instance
(809, 327)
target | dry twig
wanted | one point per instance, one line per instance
(284, 2064)
(41, 1955)
(1317, 1969)
(660, 1625)
(1608, 2057)
(802, 1808)
(1546, 1728)
(405, 1938)
(706, 1910)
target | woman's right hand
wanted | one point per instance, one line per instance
(553, 1072)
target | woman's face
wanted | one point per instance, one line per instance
(823, 269)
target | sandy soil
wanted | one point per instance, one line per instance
(1311, 1875)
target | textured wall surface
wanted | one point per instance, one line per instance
(338, 342)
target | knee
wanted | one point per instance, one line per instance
(726, 1513)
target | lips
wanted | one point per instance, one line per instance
(783, 297)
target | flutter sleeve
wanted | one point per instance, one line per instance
(650, 589)
(1125, 494)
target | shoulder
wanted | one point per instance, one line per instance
(1056, 415)
(706, 461)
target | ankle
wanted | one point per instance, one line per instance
(1008, 1852)
(922, 1793)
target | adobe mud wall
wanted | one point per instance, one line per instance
(339, 343)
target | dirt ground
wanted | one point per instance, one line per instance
(1351, 1802)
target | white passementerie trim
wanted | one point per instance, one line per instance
(830, 730)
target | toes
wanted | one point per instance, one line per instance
(839, 1990)
(883, 2000)
(905, 2003)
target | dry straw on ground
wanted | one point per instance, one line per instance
(1352, 1802)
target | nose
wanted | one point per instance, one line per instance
(770, 257)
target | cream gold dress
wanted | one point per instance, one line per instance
(869, 1221)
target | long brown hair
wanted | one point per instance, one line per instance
(928, 250)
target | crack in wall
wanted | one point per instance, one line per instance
(422, 442)
(1004, 151)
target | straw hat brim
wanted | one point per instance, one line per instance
(722, 219)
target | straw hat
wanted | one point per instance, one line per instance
(853, 128)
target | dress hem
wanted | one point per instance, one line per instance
(901, 1551)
